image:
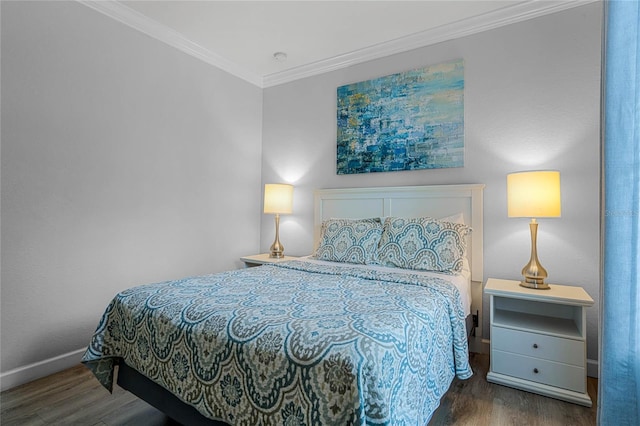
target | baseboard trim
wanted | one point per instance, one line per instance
(37, 370)
(593, 368)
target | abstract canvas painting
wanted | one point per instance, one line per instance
(406, 121)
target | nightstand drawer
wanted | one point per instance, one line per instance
(556, 349)
(539, 370)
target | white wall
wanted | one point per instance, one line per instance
(532, 101)
(124, 161)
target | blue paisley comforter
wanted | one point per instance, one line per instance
(296, 343)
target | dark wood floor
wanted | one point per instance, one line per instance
(74, 397)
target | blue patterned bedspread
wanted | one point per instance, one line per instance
(294, 343)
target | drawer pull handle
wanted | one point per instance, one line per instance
(535, 346)
(535, 370)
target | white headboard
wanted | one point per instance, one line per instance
(409, 201)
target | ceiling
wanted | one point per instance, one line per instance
(241, 37)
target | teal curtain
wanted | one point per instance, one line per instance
(619, 384)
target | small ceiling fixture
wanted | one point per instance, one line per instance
(280, 56)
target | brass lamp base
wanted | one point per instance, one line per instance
(537, 285)
(277, 249)
(275, 254)
(533, 272)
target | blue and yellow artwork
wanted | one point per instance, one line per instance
(407, 121)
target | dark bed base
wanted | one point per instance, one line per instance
(157, 396)
(471, 330)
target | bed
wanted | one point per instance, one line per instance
(356, 334)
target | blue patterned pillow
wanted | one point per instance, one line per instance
(423, 243)
(350, 240)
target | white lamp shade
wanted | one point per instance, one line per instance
(534, 194)
(278, 198)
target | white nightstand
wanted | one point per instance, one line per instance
(261, 259)
(538, 339)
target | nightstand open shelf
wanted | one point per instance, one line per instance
(536, 323)
(538, 339)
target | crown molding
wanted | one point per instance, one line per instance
(488, 21)
(506, 16)
(152, 28)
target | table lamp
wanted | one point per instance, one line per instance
(534, 194)
(278, 199)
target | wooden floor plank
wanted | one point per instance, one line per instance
(75, 405)
(136, 413)
(47, 387)
(74, 396)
